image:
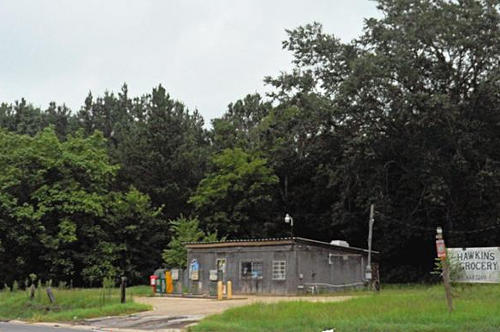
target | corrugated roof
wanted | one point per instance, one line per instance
(269, 242)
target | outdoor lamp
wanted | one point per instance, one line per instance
(289, 220)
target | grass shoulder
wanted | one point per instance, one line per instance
(408, 308)
(70, 305)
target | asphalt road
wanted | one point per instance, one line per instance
(8, 327)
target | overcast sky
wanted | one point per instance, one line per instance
(206, 53)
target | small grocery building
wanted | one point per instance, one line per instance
(280, 266)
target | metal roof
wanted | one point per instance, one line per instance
(270, 242)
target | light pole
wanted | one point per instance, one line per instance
(368, 273)
(289, 220)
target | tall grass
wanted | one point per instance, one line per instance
(477, 308)
(70, 304)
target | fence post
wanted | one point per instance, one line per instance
(123, 288)
(51, 296)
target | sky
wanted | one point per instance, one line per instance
(206, 54)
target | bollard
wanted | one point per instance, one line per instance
(219, 290)
(229, 290)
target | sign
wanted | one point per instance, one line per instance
(175, 274)
(213, 275)
(194, 269)
(441, 249)
(475, 265)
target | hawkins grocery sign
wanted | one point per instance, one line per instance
(478, 265)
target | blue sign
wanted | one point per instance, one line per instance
(195, 266)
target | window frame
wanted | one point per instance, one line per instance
(252, 262)
(280, 274)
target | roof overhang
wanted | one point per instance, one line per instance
(273, 242)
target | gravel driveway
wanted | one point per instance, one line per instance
(170, 313)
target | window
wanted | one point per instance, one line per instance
(251, 269)
(279, 270)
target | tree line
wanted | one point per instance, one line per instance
(406, 117)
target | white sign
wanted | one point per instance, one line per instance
(213, 275)
(477, 265)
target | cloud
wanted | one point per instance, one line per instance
(206, 53)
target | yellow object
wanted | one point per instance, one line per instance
(170, 284)
(229, 290)
(220, 291)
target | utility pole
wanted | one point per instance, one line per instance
(441, 253)
(368, 273)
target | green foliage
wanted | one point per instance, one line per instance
(59, 216)
(455, 269)
(239, 126)
(139, 233)
(106, 290)
(406, 116)
(161, 146)
(23, 118)
(232, 198)
(409, 122)
(184, 230)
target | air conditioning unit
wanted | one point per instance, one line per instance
(340, 243)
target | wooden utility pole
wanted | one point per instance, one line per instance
(441, 253)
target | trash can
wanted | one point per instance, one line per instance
(160, 281)
(152, 282)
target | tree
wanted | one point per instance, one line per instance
(137, 231)
(23, 118)
(59, 217)
(184, 230)
(238, 127)
(161, 146)
(414, 107)
(234, 199)
(52, 193)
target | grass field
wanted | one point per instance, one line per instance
(71, 304)
(416, 308)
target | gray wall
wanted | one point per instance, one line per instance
(236, 255)
(308, 268)
(330, 269)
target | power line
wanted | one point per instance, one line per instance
(433, 229)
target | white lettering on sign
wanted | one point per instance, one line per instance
(478, 265)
